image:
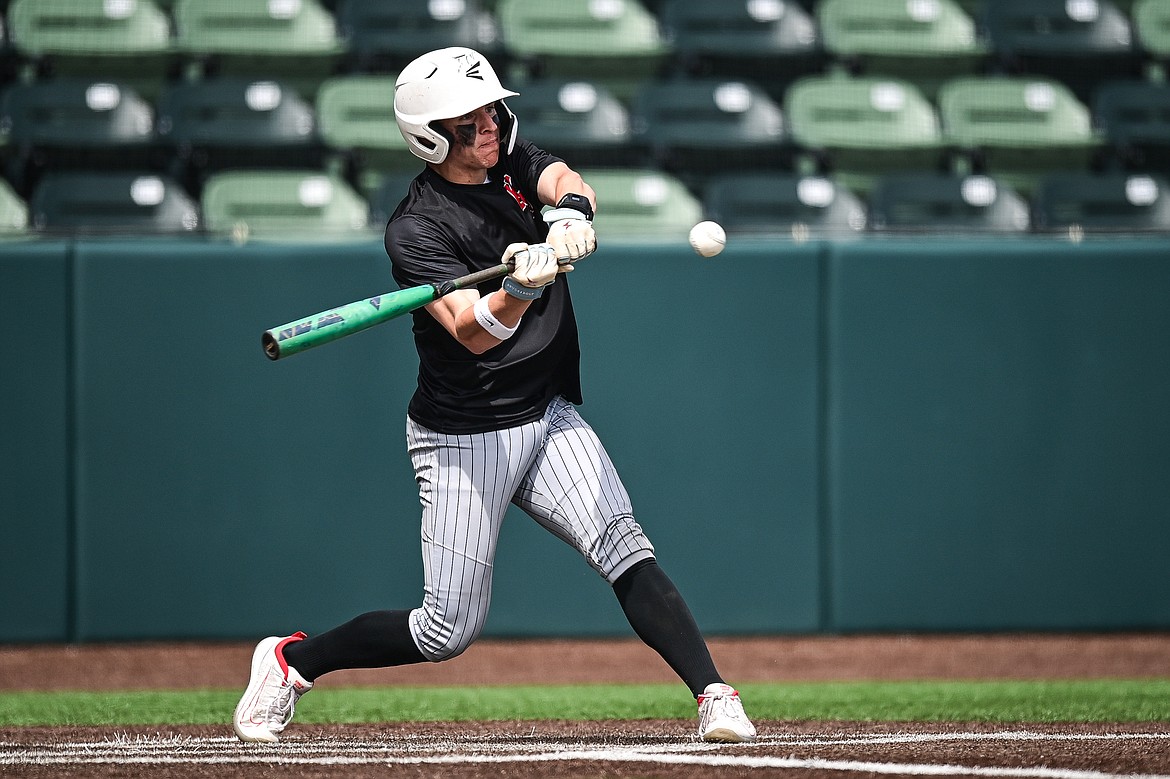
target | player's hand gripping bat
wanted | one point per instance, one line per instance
(326, 326)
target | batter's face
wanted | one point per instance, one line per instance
(476, 137)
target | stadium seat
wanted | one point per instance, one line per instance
(1080, 43)
(236, 122)
(124, 40)
(1135, 117)
(801, 206)
(387, 34)
(1017, 129)
(696, 128)
(13, 211)
(111, 202)
(581, 121)
(860, 128)
(642, 203)
(293, 41)
(1114, 202)
(73, 124)
(933, 202)
(1151, 22)
(355, 117)
(296, 204)
(924, 42)
(770, 42)
(616, 42)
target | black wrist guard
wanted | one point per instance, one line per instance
(577, 203)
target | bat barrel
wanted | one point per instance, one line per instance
(299, 335)
(294, 337)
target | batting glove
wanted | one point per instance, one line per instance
(570, 229)
(534, 267)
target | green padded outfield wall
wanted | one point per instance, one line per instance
(818, 437)
(219, 493)
(999, 423)
(35, 469)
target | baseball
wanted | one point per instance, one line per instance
(708, 239)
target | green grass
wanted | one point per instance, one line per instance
(1096, 700)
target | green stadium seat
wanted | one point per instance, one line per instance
(800, 206)
(235, 122)
(924, 42)
(1080, 43)
(112, 202)
(1114, 202)
(73, 124)
(697, 128)
(1135, 117)
(293, 204)
(943, 203)
(860, 128)
(1018, 129)
(642, 204)
(1151, 22)
(355, 116)
(616, 42)
(387, 34)
(125, 40)
(13, 211)
(770, 42)
(580, 121)
(293, 41)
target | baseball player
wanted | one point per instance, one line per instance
(494, 419)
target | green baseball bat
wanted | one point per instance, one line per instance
(326, 326)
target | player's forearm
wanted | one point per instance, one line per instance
(506, 309)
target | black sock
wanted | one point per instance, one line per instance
(376, 639)
(660, 617)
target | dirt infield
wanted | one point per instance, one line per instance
(808, 750)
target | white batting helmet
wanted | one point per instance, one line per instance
(444, 84)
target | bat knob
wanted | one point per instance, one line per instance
(271, 347)
(445, 288)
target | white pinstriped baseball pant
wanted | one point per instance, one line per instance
(555, 469)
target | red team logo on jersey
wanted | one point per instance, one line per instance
(515, 193)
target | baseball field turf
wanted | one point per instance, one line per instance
(994, 707)
(1095, 700)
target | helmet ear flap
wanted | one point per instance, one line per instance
(508, 124)
(437, 126)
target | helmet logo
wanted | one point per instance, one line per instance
(469, 66)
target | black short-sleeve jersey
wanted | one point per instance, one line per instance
(442, 230)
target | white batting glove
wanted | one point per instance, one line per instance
(570, 233)
(533, 265)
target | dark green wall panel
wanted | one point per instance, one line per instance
(34, 459)
(999, 435)
(878, 435)
(219, 493)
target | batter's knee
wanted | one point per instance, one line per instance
(622, 546)
(440, 638)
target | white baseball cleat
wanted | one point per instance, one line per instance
(272, 694)
(721, 716)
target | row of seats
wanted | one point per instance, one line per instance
(616, 41)
(855, 128)
(299, 204)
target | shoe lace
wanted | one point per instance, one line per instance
(719, 706)
(280, 710)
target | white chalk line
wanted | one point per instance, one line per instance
(226, 750)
